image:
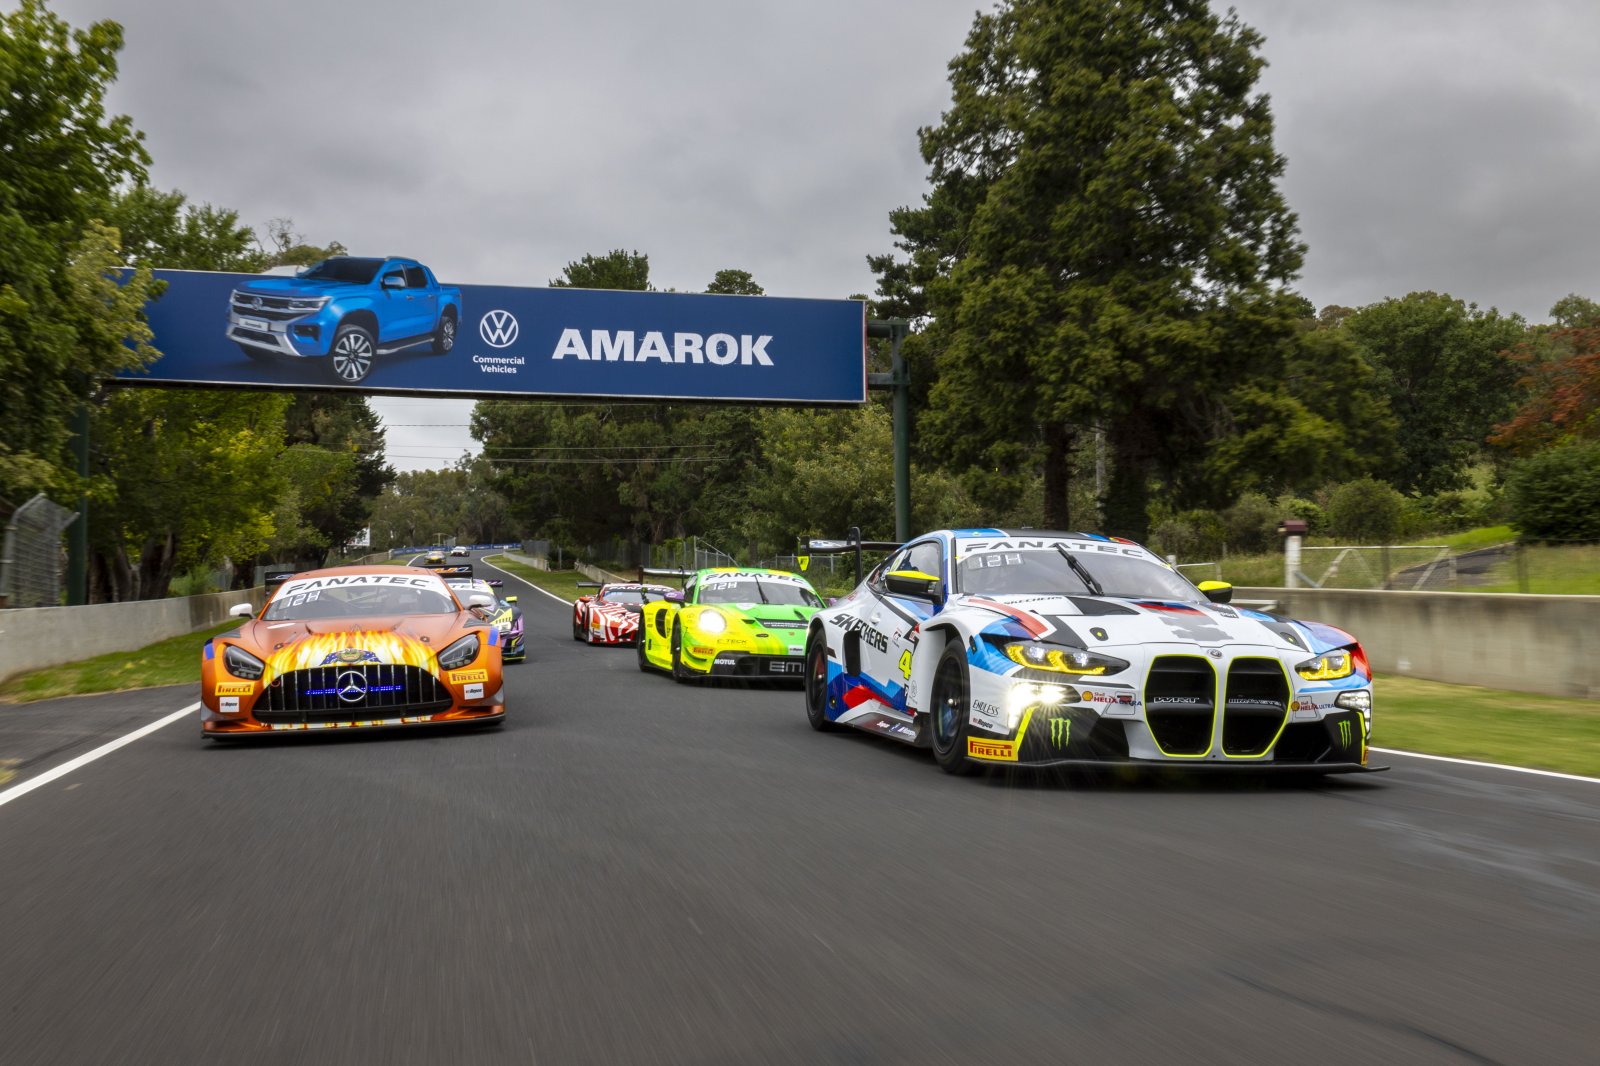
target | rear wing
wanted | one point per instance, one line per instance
(651, 571)
(851, 545)
(457, 570)
(274, 578)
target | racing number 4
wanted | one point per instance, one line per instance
(905, 663)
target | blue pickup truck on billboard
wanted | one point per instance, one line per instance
(345, 311)
(387, 325)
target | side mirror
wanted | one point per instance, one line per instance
(393, 281)
(511, 599)
(585, 599)
(241, 610)
(1216, 591)
(479, 599)
(914, 583)
(674, 597)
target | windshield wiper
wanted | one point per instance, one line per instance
(1082, 571)
(762, 592)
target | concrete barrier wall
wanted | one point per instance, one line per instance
(1546, 644)
(36, 637)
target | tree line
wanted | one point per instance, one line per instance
(1106, 334)
(179, 481)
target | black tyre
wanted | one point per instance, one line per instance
(680, 673)
(350, 358)
(638, 646)
(444, 335)
(817, 683)
(577, 629)
(951, 708)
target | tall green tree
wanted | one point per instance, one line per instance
(345, 425)
(616, 269)
(1104, 244)
(64, 323)
(1439, 363)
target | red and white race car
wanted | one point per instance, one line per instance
(611, 615)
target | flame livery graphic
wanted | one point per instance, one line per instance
(325, 648)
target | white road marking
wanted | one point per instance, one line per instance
(528, 583)
(1488, 765)
(17, 791)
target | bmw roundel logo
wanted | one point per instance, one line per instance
(498, 328)
(352, 686)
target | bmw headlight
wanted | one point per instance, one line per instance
(460, 653)
(241, 663)
(712, 622)
(1329, 666)
(504, 627)
(1079, 662)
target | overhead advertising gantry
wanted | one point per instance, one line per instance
(387, 326)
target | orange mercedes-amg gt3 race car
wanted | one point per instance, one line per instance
(354, 646)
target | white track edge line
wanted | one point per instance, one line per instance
(18, 791)
(528, 583)
(1488, 765)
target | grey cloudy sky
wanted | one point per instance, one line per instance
(1451, 145)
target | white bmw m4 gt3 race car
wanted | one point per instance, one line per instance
(1078, 650)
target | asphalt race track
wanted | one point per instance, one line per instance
(635, 871)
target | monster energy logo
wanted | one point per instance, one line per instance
(1060, 732)
(1344, 732)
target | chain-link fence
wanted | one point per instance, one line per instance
(692, 553)
(31, 560)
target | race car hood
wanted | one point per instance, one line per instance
(411, 640)
(767, 612)
(1105, 621)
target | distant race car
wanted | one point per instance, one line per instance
(729, 622)
(354, 646)
(433, 558)
(611, 615)
(1075, 649)
(504, 613)
(460, 549)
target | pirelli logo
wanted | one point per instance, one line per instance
(1005, 750)
(235, 688)
(467, 677)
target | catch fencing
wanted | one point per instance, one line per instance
(31, 559)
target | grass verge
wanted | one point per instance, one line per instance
(169, 662)
(563, 583)
(1545, 732)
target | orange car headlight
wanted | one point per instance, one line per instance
(241, 663)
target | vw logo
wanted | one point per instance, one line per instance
(254, 301)
(498, 328)
(352, 686)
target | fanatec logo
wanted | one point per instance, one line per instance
(498, 329)
(352, 685)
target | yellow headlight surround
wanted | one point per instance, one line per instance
(1329, 666)
(1055, 659)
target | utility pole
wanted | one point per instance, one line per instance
(898, 381)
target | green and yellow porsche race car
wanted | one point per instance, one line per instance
(741, 622)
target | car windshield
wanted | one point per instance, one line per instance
(623, 596)
(1070, 571)
(359, 596)
(344, 269)
(748, 588)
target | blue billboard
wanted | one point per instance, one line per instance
(389, 326)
